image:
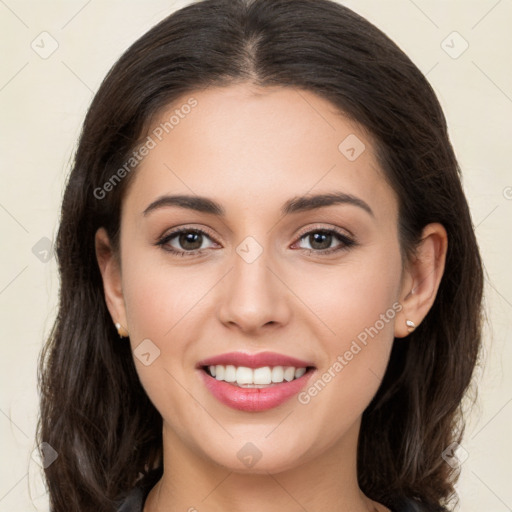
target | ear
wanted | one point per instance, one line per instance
(111, 273)
(422, 277)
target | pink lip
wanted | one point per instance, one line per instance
(254, 399)
(254, 360)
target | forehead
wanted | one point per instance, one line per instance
(254, 148)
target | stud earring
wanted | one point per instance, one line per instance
(123, 333)
(410, 325)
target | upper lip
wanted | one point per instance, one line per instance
(257, 360)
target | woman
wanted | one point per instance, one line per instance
(260, 367)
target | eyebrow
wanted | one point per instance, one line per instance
(311, 202)
(294, 205)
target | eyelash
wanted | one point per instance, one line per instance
(347, 242)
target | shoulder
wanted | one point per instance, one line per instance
(134, 500)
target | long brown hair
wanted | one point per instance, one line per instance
(94, 411)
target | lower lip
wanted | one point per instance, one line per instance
(253, 399)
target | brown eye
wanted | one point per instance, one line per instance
(190, 240)
(184, 242)
(320, 240)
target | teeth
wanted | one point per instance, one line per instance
(299, 372)
(244, 375)
(289, 373)
(219, 372)
(262, 375)
(230, 373)
(248, 377)
(277, 374)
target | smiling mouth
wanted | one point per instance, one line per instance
(262, 377)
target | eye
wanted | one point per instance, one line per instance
(184, 242)
(190, 241)
(320, 241)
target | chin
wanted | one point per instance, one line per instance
(258, 456)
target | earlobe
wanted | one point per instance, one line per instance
(410, 325)
(424, 274)
(112, 283)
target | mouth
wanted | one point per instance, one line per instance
(262, 377)
(256, 382)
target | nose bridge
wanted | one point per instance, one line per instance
(251, 261)
(253, 296)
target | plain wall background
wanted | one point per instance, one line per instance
(43, 102)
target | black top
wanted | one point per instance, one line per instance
(134, 502)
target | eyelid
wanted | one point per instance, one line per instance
(350, 238)
(165, 239)
(346, 241)
(322, 227)
(185, 228)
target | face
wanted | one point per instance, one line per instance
(263, 280)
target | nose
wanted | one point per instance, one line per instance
(254, 296)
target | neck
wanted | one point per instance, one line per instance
(194, 483)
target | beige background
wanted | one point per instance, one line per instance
(43, 102)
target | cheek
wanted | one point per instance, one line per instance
(165, 303)
(355, 297)
(359, 306)
(159, 297)
(158, 300)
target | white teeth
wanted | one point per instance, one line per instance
(299, 372)
(249, 377)
(244, 375)
(262, 375)
(219, 372)
(277, 374)
(230, 373)
(289, 373)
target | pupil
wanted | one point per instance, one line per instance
(317, 239)
(186, 238)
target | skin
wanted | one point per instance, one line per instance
(251, 150)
